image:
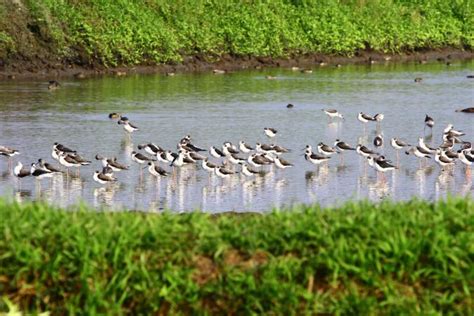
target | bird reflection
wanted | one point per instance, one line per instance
(105, 195)
(378, 189)
(126, 145)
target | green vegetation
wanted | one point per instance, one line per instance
(113, 32)
(360, 259)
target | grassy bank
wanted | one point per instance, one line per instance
(389, 258)
(165, 31)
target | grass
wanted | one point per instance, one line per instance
(111, 32)
(411, 257)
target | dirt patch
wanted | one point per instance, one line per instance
(42, 66)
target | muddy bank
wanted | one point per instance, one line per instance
(43, 69)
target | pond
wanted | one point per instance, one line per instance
(233, 107)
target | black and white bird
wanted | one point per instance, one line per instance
(216, 152)
(244, 147)
(429, 122)
(151, 148)
(270, 132)
(208, 165)
(282, 163)
(235, 159)
(223, 172)
(8, 152)
(342, 146)
(247, 171)
(115, 165)
(379, 117)
(378, 140)
(419, 152)
(103, 178)
(380, 164)
(258, 160)
(127, 126)
(47, 166)
(156, 170)
(39, 173)
(325, 149)
(452, 132)
(265, 148)
(314, 158)
(364, 118)
(426, 148)
(228, 149)
(364, 151)
(442, 160)
(332, 113)
(465, 157)
(21, 172)
(140, 158)
(279, 149)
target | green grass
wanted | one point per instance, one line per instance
(390, 258)
(113, 32)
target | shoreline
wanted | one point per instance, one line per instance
(49, 70)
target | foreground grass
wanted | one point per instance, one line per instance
(114, 32)
(362, 258)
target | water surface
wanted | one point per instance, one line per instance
(231, 107)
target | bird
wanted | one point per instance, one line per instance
(140, 158)
(223, 172)
(228, 149)
(258, 160)
(279, 149)
(270, 132)
(127, 126)
(216, 152)
(102, 178)
(290, 106)
(398, 144)
(314, 158)
(364, 151)
(53, 85)
(364, 118)
(342, 147)
(39, 173)
(378, 140)
(151, 148)
(47, 166)
(442, 160)
(325, 149)
(20, 172)
(419, 152)
(8, 152)
(156, 170)
(247, 171)
(426, 148)
(429, 122)
(466, 110)
(282, 163)
(114, 115)
(381, 165)
(244, 147)
(208, 165)
(379, 117)
(332, 113)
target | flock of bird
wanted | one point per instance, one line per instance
(230, 159)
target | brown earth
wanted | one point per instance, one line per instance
(38, 68)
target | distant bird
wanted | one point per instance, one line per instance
(290, 106)
(151, 148)
(216, 152)
(156, 170)
(379, 118)
(7, 151)
(114, 115)
(419, 152)
(466, 110)
(244, 147)
(325, 149)
(47, 166)
(364, 151)
(102, 178)
(442, 160)
(332, 113)
(223, 172)
(398, 144)
(381, 165)
(282, 163)
(247, 171)
(342, 147)
(364, 118)
(314, 158)
(378, 140)
(140, 158)
(270, 132)
(20, 172)
(127, 126)
(39, 173)
(53, 85)
(418, 79)
(429, 122)
(208, 165)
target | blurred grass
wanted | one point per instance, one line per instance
(129, 32)
(401, 258)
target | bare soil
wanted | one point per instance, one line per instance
(42, 67)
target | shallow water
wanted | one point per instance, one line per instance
(217, 108)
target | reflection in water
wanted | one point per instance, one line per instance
(214, 110)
